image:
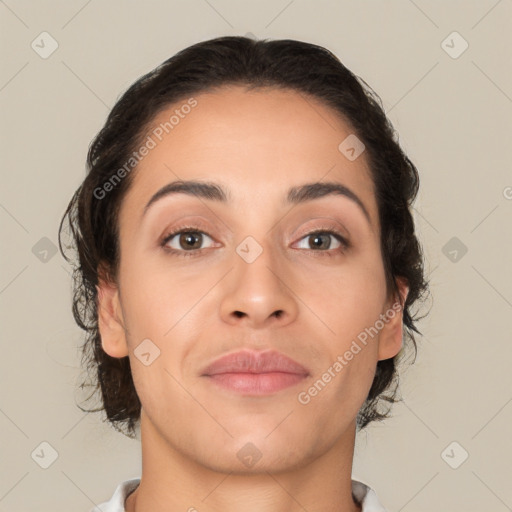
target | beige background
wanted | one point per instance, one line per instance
(454, 117)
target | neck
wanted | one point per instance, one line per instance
(172, 481)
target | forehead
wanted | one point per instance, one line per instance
(256, 143)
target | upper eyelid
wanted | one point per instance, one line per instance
(205, 230)
(199, 226)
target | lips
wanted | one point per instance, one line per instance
(246, 361)
(251, 374)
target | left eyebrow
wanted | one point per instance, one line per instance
(296, 195)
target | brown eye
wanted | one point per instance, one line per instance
(185, 240)
(321, 241)
(190, 240)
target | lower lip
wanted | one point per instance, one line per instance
(256, 383)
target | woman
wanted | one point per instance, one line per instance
(247, 262)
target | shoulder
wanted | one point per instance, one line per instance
(366, 497)
(116, 502)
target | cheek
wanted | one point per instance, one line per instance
(157, 297)
(355, 380)
(347, 299)
(349, 306)
(164, 307)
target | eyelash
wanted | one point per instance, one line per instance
(345, 244)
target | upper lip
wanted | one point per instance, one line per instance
(247, 361)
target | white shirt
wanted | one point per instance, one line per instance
(364, 494)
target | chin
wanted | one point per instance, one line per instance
(254, 453)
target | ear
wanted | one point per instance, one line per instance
(110, 320)
(390, 339)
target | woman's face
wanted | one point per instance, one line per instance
(186, 301)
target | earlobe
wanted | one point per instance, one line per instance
(110, 320)
(391, 335)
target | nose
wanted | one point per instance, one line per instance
(260, 293)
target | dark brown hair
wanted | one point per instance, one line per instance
(287, 64)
